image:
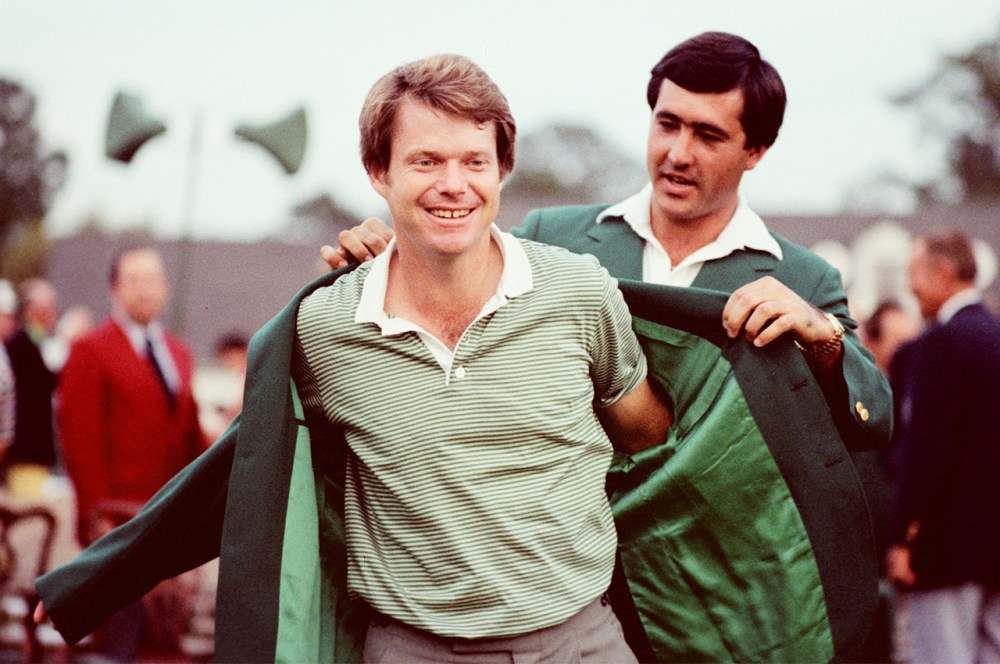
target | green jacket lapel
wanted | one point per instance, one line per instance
(740, 267)
(617, 248)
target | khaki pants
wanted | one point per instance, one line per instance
(593, 636)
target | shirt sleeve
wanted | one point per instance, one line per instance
(617, 362)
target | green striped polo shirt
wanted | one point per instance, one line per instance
(475, 502)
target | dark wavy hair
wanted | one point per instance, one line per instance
(715, 62)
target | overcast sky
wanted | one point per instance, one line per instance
(581, 61)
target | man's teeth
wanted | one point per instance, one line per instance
(450, 214)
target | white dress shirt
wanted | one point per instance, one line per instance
(746, 230)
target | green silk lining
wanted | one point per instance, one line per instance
(316, 621)
(716, 554)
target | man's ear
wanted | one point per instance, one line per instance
(380, 182)
(754, 155)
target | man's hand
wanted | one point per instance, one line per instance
(765, 309)
(40, 615)
(361, 243)
(897, 566)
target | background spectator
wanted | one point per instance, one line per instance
(218, 388)
(946, 513)
(128, 420)
(32, 454)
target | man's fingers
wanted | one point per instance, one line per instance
(744, 302)
(333, 257)
(734, 314)
(375, 226)
(365, 242)
(765, 309)
(360, 243)
(354, 244)
(39, 615)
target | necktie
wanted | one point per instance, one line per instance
(159, 372)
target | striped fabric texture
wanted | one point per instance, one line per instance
(476, 506)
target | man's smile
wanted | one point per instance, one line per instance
(449, 214)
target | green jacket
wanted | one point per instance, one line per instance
(744, 536)
(864, 392)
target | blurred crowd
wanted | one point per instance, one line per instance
(95, 416)
(933, 493)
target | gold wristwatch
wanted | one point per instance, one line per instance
(829, 347)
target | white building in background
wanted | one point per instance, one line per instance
(874, 267)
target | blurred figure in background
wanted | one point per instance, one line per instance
(218, 387)
(889, 327)
(946, 512)
(128, 421)
(7, 402)
(8, 310)
(75, 322)
(32, 455)
(8, 322)
(886, 333)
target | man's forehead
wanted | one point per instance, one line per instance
(142, 262)
(425, 128)
(714, 107)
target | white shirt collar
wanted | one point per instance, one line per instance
(137, 333)
(956, 302)
(746, 230)
(515, 279)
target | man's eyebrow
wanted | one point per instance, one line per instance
(697, 126)
(422, 154)
(436, 154)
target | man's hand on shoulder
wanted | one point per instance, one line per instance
(765, 309)
(361, 243)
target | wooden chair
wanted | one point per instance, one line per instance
(13, 587)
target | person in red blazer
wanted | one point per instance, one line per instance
(127, 419)
(125, 430)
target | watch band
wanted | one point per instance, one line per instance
(829, 347)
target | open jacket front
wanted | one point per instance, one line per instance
(743, 537)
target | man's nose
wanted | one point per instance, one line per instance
(452, 180)
(680, 152)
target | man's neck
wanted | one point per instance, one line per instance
(126, 321)
(681, 237)
(961, 296)
(443, 295)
